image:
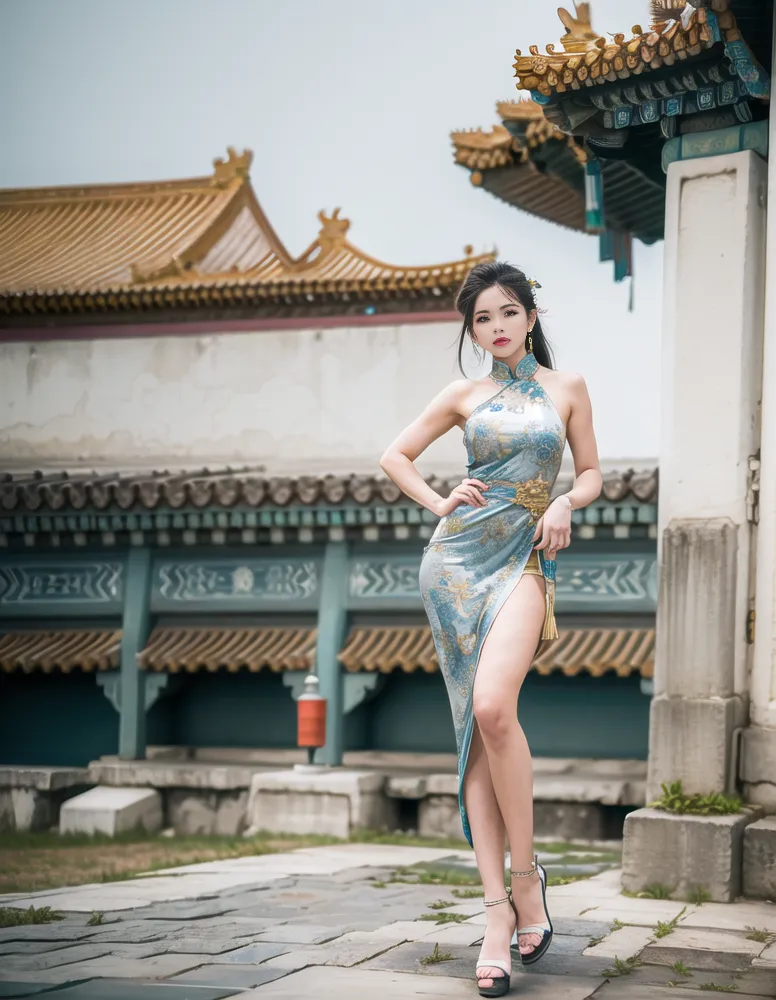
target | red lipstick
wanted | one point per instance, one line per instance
(500, 341)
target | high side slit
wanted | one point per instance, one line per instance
(477, 555)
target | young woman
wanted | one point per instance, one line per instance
(488, 580)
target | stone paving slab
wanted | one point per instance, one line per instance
(106, 989)
(252, 929)
(622, 989)
(723, 916)
(348, 950)
(622, 943)
(233, 977)
(298, 933)
(252, 954)
(124, 967)
(10, 989)
(49, 960)
(337, 984)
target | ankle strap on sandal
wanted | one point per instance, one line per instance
(495, 902)
(531, 870)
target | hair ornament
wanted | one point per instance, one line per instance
(534, 283)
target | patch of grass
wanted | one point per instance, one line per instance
(622, 968)
(754, 934)
(665, 927)
(377, 884)
(596, 940)
(12, 917)
(434, 876)
(656, 891)
(467, 893)
(681, 969)
(441, 904)
(675, 800)
(699, 895)
(34, 861)
(436, 957)
(617, 925)
(712, 987)
(30, 862)
(444, 917)
(96, 918)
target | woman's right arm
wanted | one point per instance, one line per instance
(440, 416)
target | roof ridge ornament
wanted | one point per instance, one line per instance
(579, 35)
(333, 230)
(237, 165)
(675, 10)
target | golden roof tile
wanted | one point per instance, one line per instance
(232, 648)
(61, 649)
(187, 243)
(477, 149)
(596, 651)
(589, 59)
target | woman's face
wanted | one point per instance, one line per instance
(500, 325)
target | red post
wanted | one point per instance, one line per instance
(311, 717)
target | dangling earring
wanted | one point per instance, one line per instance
(530, 343)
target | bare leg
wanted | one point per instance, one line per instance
(504, 661)
(489, 836)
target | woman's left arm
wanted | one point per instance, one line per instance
(555, 527)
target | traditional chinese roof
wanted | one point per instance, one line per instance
(231, 648)
(227, 488)
(511, 162)
(596, 651)
(154, 248)
(680, 32)
(63, 649)
(530, 163)
(693, 60)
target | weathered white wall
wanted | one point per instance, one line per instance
(295, 401)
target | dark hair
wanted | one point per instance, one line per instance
(515, 285)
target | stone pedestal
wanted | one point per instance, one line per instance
(111, 811)
(760, 859)
(333, 802)
(685, 854)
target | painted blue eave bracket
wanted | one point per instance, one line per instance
(692, 146)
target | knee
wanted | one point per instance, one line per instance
(493, 714)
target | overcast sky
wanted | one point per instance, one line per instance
(345, 103)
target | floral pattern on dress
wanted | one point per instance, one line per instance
(477, 555)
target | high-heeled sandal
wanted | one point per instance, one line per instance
(500, 986)
(545, 930)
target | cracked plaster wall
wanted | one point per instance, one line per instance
(300, 401)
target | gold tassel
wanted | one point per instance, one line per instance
(550, 630)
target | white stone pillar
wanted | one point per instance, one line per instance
(758, 764)
(711, 358)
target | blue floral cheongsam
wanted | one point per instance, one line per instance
(477, 555)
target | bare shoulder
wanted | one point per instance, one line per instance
(570, 384)
(567, 379)
(452, 397)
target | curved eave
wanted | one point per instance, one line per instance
(527, 188)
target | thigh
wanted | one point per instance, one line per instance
(511, 643)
